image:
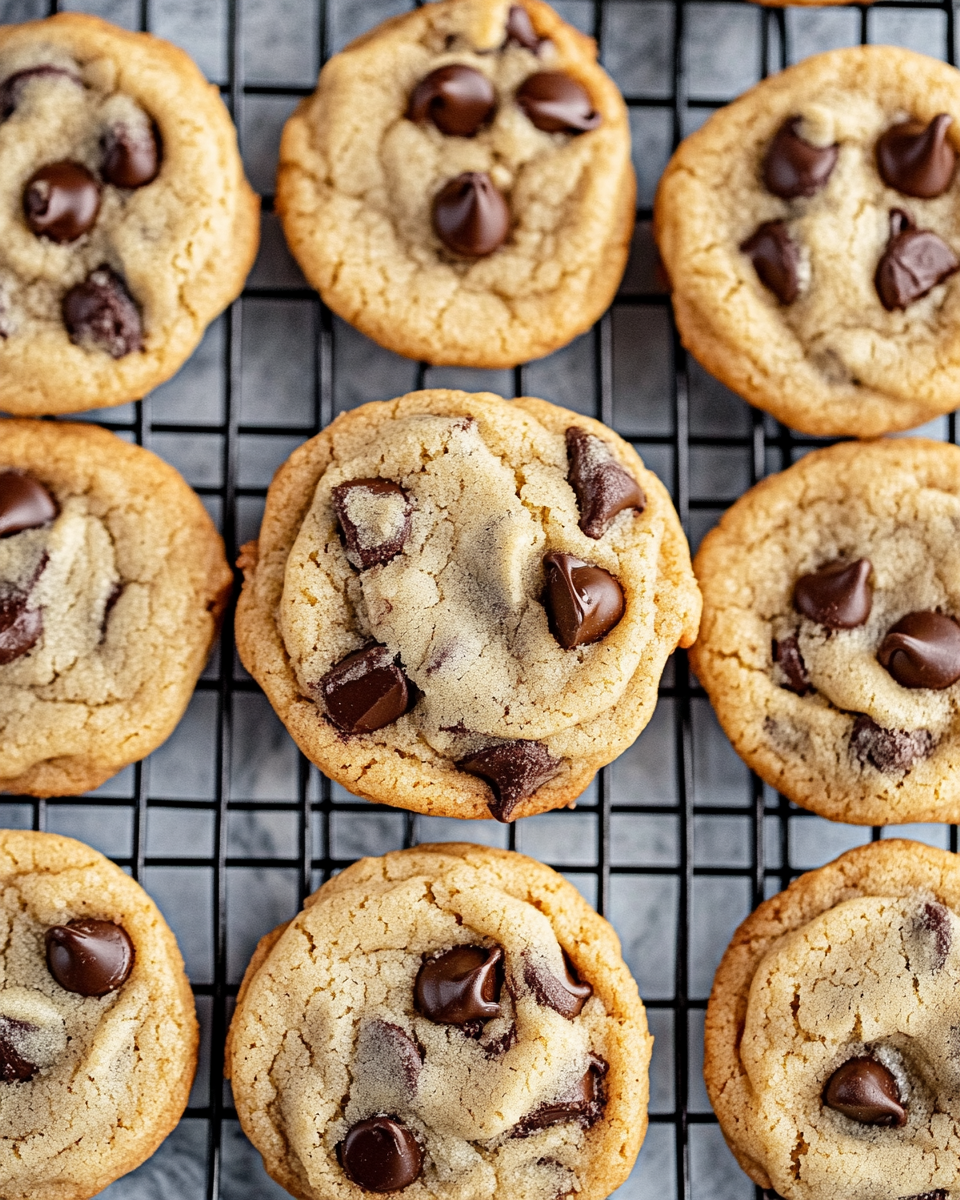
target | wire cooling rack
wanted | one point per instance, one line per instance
(227, 825)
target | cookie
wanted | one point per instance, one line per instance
(811, 233)
(98, 1035)
(452, 1021)
(126, 224)
(459, 186)
(462, 605)
(831, 1033)
(112, 583)
(829, 645)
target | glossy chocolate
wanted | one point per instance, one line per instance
(865, 1091)
(583, 1103)
(370, 549)
(917, 159)
(583, 602)
(24, 503)
(891, 751)
(61, 201)
(566, 995)
(100, 313)
(89, 956)
(520, 29)
(458, 99)
(131, 157)
(787, 656)
(913, 263)
(837, 596)
(20, 627)
(461, 986)
(514, 771)
(12, 87)
(603, 487)
(470, 216)
(556, 103)
(922, 651)
(775, 259)
(794, 167)
(13, 1067)
(365, 691)
(381, 1155)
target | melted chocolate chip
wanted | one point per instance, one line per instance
(603, 487)
(891, 751)
(787, 656)
(89, 956)
(935, 921)
(374, 515)
(20, 627)
(381, 1155)
(131, 156)
(101, 314)
(917, 159)
(794, 167)
(459, 100)
(514, 771)
(865, 1091)
(390, 1050)
(470, 216)
(583, 602)
(24, 503)
(520, 29)
(12, 87)
(583, 1103)
(913, 263)
(365, 691)
(556, 103)
(13, 1067)
(775, 259)
(922, 651)
(837, 596)
(566, 996)
(461, 986)
(61, 201)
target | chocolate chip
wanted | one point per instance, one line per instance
(566, 996)
(520, 29)
(514, 771)
(939, 1194)
(89, 956)
(583, 1103)
(13, 1067)
(583, 602)
(386, 1050)
(787, 656)
(913, 263)
(32, 1034)
(20, 627)
(837, 596)
(603, 487)
(935, 921)
(381, 1155)
(470, 216)
(775, 259)
(374, 515)
(865, 1091)
(100, 314)
(24, 503)
(61, 201)
(556, 103)
(917, 159)
(131, 156)
(460, 986)
(459, 100)
(891, 751)
(12, 87)
(922, 651)
(793, 167)
(365, 691)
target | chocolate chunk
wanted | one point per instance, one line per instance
(917, 159)
(461, 986)
(865, 1091)
(386, 1050)
(935, 921)
(891, 751)
(89, 956)
(583, 602)
(12, 87)
(24, 503)
(20, 627)
(365, 691)
(520, 29)
(101, 314)
(775, 259)
(381, 1155)
(556, 103)
(32, 1033)
(374, 515)
(922, 651)
(583, 1103)
(13, 1067)
(514, 771)
(837, 596)
(603, 487)
(787, 656)
(939, 1194)
(913, 263)
(131, 156)
(470, 216)
(459, 100)
(61, 201)
(566, 996)
(793, 167)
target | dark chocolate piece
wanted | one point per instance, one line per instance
(865, 1091)
(583, 1103)
(514, 771)
(837, 596)
(470, 216)
(583, 602)
(61, 201)
(394, 1052)
(131, 156)
(371, 541)
(794, 167)
(555, 103)
(12, 87)
(565, 996)
(365, 691)
(603, 487)
(775, 259)
(100, 314)
(20, 627)
(24, 503)
(922, 651)
(461, 986)
(381, 1155)
(14, 1068)
(917, 159)
(913, 263)
(458, 99)
(935, 921)
(891, 751)
(939, 1194)
(520, 29)
(89, 956)
(787, 656)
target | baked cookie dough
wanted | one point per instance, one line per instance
(459, 186)
(829, 646)
(452, 1021)
(831, 1032)
(811, 231)
(126, 223)
(462, 605)
(98, 1035)
(112, 584)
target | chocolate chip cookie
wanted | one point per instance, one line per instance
(126, 224)
(462, 605)
(112, 583)
(830, 647)
(831, 1032)
(98, 1035)
(452, 1020)
(811, 232)
(459, 186)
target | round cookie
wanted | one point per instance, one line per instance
(831, 1040)
(829, 645)
(98, 1035)
(459, 186)
(451, 1020)
(126, 223)
(462, 605)
(112, 584)
(811, 232)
